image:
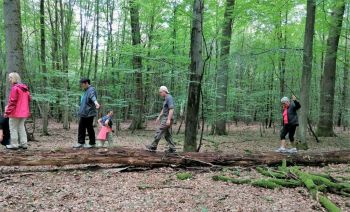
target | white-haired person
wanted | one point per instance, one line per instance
(17, 110)
(290, 123)
(165, 119)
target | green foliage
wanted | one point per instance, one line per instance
(183, 176)
(254, 78)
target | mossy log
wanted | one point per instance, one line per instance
(142, 158)
(316, 183)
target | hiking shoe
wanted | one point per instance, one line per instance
(88, 146)
(292, 150)
(170, 151)
(281, 150)
(23, 146)
(78, 145)
(11, 146)
(151, 148)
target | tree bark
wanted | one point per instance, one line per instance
(196, 72)
(307, 68)
(97, 14)
(137, 121)
(45, 107)
(222, 75)
(142, 158)
(66, 21)
(345, 101)
(13, 37)
(325, 123)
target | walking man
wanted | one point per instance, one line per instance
(87, 112)
(165, 118)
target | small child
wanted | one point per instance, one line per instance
(106, 131)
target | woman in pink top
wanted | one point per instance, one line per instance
(17, 110)
(290, 123)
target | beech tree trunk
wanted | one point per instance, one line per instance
(13, 37)
(345, 100)
(307, 68)
(222, 75)
(137, 121)
(196, 72)
(97, 11)
(142, 158)
(325, 123)
(45, 107)
(66, 15)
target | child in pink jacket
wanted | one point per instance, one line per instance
(106, 131)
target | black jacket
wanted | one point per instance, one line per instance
(87, 105)
(292, 113)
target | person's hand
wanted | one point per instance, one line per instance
(97, 105)
(5, 116)
(157, 120)
(294, 98)
(168, 122)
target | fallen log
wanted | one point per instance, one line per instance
(142, 158)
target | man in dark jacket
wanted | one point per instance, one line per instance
(87, 112)
(4, 131)
(290, 123)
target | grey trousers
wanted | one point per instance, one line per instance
(165, 130)
(18, 132)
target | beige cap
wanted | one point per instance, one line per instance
(163, 88)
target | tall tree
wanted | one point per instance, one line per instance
(66, 15)
(222, 74)
(13, 37)
(45, 107)
(137, 121)
(345, 101)
(307, 67)
(97, 10)
(282, 42)
(325, 123)
(196, 73)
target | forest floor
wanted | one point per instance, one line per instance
(108, 189)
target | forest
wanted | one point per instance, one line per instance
(227, 64)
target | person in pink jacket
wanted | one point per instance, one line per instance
(17, 110)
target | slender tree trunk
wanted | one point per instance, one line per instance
(91, 49)
(66, 21)
(97, 9)
(137, 122)
(325, 123)
(83, 37)
(282, 39)
(196, 72)
(45, 106)
(307, 68)
(174, 36)
(148, 80)
(13, 37)
(222, 75)
(345, 100)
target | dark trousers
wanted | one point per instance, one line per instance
(290, 130)
(86, 124)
